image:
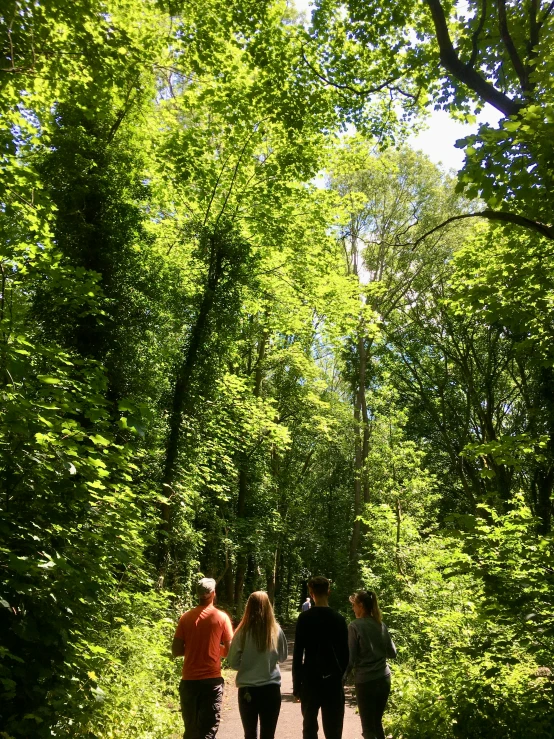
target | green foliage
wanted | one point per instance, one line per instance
(470, 614)
(71, 528)
(211, 361)
(507, 279)
(136, 694)
(457, 698)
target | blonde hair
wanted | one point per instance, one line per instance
(259, 621)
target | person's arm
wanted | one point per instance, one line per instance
(389, 644)
(226, 637)
(178, 643)
(353, 650)
(177, 647)
(297, 658)
(234, 656)
(343, 652)
(282, 646)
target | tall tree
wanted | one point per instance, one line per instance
(459, 58)
(388, 202)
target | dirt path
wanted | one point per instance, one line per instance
(290, 718)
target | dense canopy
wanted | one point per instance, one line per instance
(246, 332)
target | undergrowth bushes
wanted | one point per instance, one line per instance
(471, 611)
(137, 693)
(450, 696)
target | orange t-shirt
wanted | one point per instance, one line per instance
(203, 629)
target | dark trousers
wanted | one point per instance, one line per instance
(262, 702)
(201, 707)
(327, 695)
(372, 698)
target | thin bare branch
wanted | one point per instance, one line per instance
(356, 90)
(493, 215)
(236, 169)
(475, 35)
(127, 105)
(214, 189)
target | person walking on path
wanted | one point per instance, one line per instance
(307, 604)
(319, 662)
(257, 647)
(203, 636)
(369, 645)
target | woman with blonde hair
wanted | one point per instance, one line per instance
(369, 644)
(258, 645)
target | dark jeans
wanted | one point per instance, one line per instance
(327, 695)
(372, 698)
(201, 707)
(265, 704)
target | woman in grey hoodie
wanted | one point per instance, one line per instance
(258, 645)
(369, 644)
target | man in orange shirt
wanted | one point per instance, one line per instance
(203, 636)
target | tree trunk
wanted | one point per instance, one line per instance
(229, 583)
(355, 539)
(545, 473)
(271, 576)
(240, 575)
(279, 578)
(270, 584)
(464, 72)
(182, 401)
(243, 481)
(289, 585)
(361, 450)
(398, 511)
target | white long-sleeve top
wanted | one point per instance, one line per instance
(254, 667)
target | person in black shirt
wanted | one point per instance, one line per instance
(319, 662)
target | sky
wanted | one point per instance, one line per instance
(438, 140)
(442, 132)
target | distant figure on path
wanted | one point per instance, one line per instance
(203, 636)
(319, 662)
(370, 644)
(258, 645)
(307, 604)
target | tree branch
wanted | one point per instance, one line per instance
(533, 25)
(476, 33)
(494, 215)
(235, 171)
(355, 90)
(127, 105)
(506, 36)
(547, 12)
(464, 72)
(405, 94)
(29, 203)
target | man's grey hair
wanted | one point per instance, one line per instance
(205, 587)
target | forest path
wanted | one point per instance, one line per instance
(290, 718)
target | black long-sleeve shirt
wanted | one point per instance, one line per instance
(320, 646)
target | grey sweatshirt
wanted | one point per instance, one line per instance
(369, 644)
(256, 668)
